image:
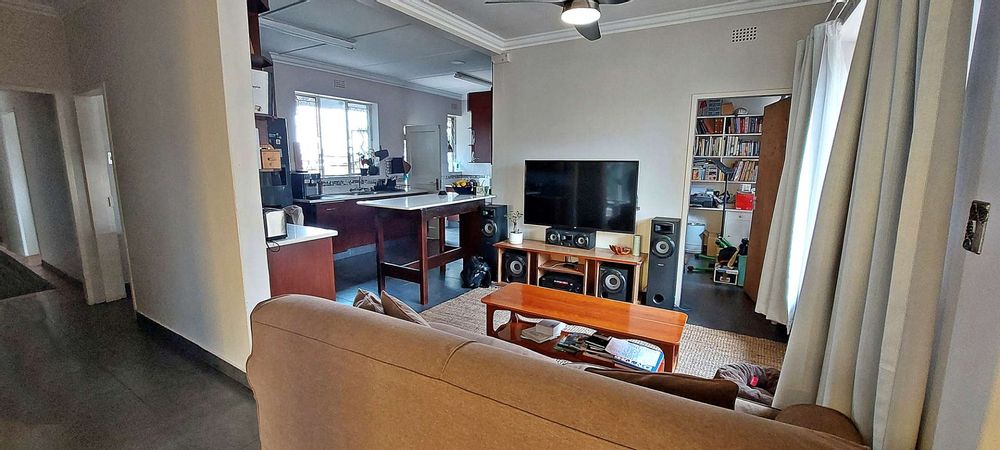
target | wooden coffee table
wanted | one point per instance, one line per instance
(659, 327)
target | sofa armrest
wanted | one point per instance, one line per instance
(755, 409)
(823, 419)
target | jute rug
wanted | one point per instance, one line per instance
(703, 350)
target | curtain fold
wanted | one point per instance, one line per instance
(863, 331)
(821, 68)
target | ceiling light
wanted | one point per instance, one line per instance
(473, 79)
(581, 12)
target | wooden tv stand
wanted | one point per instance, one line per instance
(544, 258)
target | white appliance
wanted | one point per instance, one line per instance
(260, 83)
(275, 226)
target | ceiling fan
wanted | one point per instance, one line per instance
(583, 14)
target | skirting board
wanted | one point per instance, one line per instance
(61, 274)
(190, 349)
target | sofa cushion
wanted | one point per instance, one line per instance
(486, 340)
(819, 418)
(368, 301)
(395, 307)
(720, 393)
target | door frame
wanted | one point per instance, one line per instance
(689, 159)
(122, 254)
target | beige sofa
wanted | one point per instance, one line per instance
(326, 375)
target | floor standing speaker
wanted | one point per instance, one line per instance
(515, 267)
(615, 282)
(494, 229)
(663, 262)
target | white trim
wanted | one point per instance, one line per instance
(445, 20)
(307, 63)
(449, 22)
(31, 7)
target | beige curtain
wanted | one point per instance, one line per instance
(863, 331)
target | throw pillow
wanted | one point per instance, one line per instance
(368, 301)
(720, 393)
(396, 308)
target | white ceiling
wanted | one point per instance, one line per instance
(388, 44)
(515, 21)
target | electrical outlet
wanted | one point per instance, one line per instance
(975, 230)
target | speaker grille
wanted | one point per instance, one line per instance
(745, 34)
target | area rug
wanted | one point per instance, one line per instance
(703, 350)
(16, 279)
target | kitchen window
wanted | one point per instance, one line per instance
(453, 164)
(334, 134)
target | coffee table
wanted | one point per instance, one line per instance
(660, 327)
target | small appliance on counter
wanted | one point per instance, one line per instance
(386, 185)
(274, 224)
(307, 185)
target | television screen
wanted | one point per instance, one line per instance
(597, 195)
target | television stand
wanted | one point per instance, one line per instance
(544, 258)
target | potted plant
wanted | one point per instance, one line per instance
(516, 235)
(365, 159)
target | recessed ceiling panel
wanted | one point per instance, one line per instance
(434, 65)
(342, 18)
(277, 42)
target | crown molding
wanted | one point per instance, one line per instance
(449, 22)
(307, 63)
(31, 7)
(445, 20)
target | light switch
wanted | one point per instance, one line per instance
(975, 230)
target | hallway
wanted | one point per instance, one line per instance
(78, 376)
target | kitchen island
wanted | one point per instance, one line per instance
(302, 262)
(356, 224)
(419, 210)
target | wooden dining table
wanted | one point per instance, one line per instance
(421, 210)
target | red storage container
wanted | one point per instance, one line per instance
(745, 200)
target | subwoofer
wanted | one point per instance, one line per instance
(663, 262)
(515, 267)
(614, 282)
(494, 229)
(585, 240)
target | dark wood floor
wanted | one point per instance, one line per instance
(75, 376)
(723, 307)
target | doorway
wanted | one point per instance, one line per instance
(102, 189)
(737, 152)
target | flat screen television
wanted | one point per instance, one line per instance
(591, 195)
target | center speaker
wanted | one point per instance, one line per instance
(515, 267)
(614, 282)
(494, 229)
(664, 258)
(571, 238)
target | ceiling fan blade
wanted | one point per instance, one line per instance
(590, 31)
(612, 2)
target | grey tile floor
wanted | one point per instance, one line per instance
(78, 376)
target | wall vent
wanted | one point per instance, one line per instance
(745, 34)
(342, 84)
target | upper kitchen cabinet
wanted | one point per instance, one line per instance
(481, 107)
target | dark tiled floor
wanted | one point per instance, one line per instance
(723, 307)
(78, 376)
(360, 272)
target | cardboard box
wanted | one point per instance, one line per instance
(270, 159)
(708, 240)
(728, 109)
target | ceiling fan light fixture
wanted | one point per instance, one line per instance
(581, 12)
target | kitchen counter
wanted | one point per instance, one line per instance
(366, 196)
(299, 233)
(426, 201)
(302, 263)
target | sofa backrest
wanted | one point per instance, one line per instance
(327, 375)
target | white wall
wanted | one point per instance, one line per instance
(629, 96)
(397, 107)
(45, 170)
(177, 80)
(963, 402)
(35, 58)
(17, 224)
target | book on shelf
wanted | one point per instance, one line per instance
(711, 126)
(745, 125)
(745, 172)
(726, 146)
